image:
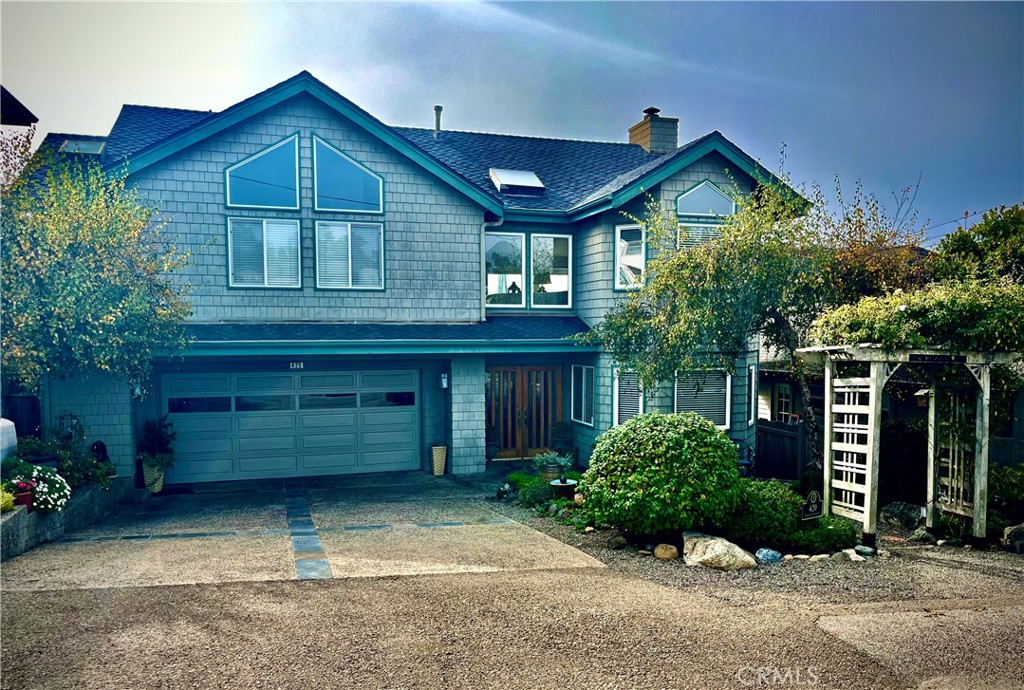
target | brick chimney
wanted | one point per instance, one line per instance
(655, 133)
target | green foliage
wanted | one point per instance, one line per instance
(661, 472)
(827, 534)
(959, 317)
(534, 491)
(542, 460)
(51, 492)
(768, 512)
(518, 478)
(87, 280)
(991, 249)
(14, 468)
(6, 501)
(776, 264)
(157, 437)
(1005, 495)
(76, 465)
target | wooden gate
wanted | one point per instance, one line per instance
(523, 406)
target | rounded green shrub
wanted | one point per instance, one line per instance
(661, 472)
(767, 514)
(827, 534)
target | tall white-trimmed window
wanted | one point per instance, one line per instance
(340, 183)
(782, 405)
(708, 393)
(264, 253)
(582, 393)
(505, 257)
(349, 255)
(266, 179)
(551, 270)
(630, 256)
(628, 399)
(751, 394)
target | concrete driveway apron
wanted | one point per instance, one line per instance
(313, 528)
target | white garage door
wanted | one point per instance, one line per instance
(258, 425)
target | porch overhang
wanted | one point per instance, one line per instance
(499, 334)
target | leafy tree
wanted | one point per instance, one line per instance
(777, 263)
(993, 248)
(86, 281)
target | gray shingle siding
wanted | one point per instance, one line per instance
(104, 407)
(431, 232)
(468, 444)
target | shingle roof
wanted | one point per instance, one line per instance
(569, 169)
(496, 329)
(138, 126)
(13, 112)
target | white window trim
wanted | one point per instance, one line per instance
(615, 398)
(522, 262)
(316, 175)
(348, 224)
(572, 394)
(728, 397)
(532, 286)
(775, 401)
(693, 189)
(264, 286)
(643, 254)
(227, 176)
(752, 394)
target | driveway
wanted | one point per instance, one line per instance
(367, 526)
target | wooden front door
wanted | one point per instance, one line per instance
(523, 406)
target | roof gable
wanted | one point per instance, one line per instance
(304, 82)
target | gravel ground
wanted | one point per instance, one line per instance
(909, 573)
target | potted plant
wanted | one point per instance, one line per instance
(552, 465)
(22, 490)
(155, 452)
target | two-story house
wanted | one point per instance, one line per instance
(361, 291)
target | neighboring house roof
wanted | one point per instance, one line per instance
(497, 333)
(13, 112)
(139, 126)
(580, 177)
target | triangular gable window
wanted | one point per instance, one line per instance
(705, 200)
(267, 179)
(342, 184)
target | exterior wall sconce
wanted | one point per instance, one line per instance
(443, 380)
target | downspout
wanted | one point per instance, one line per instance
(483, 264)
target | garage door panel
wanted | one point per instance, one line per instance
(282, 425)
(280, 382)
(200, 424)
(184, 385)
(328, 421)
(391, 380)
(396, 437)
(338, 461)
(394, 460)
(330, 441)
(327, 381)
(405, 416)
(265, 444)
(283, 465)
(265, 424)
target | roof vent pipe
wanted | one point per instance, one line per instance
(437, 120)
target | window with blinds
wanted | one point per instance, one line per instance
(691, 235)
(349, 255)
(707, 393)
(264, 253)
(629, 398)
(582, 394)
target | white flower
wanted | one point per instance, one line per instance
(903, 307)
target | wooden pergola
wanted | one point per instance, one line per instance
(853, 424)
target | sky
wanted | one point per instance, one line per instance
(884, 93)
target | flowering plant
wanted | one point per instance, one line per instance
(50, 491)
(21, 487)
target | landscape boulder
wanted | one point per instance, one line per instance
(1013, 539)
(666, 552)
(900, 514)
(715, 552)
(922, 536)
(767, 556)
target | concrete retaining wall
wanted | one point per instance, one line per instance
(21, 530)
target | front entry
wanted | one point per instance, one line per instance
(523, 406)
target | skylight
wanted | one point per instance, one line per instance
(516, 181)
(81, 146)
